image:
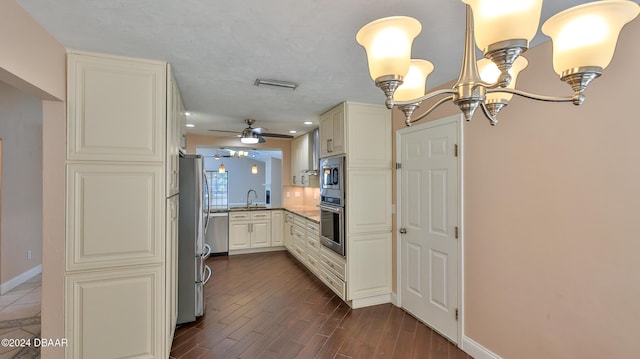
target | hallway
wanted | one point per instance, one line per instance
(20, 318)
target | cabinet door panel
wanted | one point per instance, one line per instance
(115, 314)
(239, 235)
(261, 234)
(116, 109)
(277, 228)
(338, 145)
(377, 121)
(369, 265)
(370, 190)
(115, 215)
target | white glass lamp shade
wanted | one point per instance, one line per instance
(221, 168)
(499, 20)
(489, 72)
(387, 42)
(249, 137)
(586, 35)
(414, 83)
(254, 169)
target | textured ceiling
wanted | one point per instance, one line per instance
(218, 48)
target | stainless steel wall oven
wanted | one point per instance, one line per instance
(332, 204)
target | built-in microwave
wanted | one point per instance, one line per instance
(332, 228)
(332, 180)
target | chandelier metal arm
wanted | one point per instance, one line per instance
(492, 118)
(533, 96)
(425, 97)
(409, 121)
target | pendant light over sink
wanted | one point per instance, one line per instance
(584, 39)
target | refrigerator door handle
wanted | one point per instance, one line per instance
(208, 269)
(206, 254)
(206, 186)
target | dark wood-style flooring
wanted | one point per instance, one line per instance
(269, 306)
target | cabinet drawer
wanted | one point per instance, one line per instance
(313, 227)
(239, 216)
(300, 221)
(298, 235)
(313, 244)
(261, 215)
(335, 265)
(337, 285)
(298, 251)
(288, 218)
(313, 262)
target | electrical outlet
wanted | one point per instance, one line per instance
(29, 254)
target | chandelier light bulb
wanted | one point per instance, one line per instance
(498, 20)
(413, 85)
(388, 43)
(586, 35)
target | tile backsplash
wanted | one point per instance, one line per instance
(294, 196)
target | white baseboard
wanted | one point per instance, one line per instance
(476, 350)
(19, 279)
(394, 299)
(369, 301)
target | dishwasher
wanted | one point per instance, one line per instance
(218, 233)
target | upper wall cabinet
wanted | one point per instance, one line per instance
(361, 131)
(116, 109)
(332, 132)
(176, 120)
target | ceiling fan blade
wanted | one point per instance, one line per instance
(236, 132)
(259, 130)
(275, 135)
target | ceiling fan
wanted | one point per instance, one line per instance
(252, 135)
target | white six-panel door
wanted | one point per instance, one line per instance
(428, 183)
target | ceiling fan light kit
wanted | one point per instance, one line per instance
(584, 39)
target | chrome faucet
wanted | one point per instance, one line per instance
(249, 198)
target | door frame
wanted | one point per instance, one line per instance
(458, 120)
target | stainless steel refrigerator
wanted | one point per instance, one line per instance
(193, 274)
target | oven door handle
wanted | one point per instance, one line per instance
(333, 209)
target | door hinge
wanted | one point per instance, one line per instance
(456, 232)
(457, 314)
(455, 150)
(398, 165)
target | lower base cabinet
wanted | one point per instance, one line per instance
(249, 229)
(98, 303)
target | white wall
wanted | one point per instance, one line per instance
(21, 133)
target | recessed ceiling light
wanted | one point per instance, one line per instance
(187, 113)
(293, 131)
(190, 125)
(308, 123)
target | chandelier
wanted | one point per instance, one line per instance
(584, 39)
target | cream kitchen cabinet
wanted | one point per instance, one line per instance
(288, 231)
(301, 161)
(332, 131)
(364, 277)
(176, 121)
(249, 229)
(121, 210)
(277, 228)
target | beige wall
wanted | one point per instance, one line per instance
(551, 217)
(21, 131)
(34, 62)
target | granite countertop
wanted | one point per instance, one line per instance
(309, 212)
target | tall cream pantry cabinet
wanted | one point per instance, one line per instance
(124, 120)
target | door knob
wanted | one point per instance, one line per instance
(403, 230)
